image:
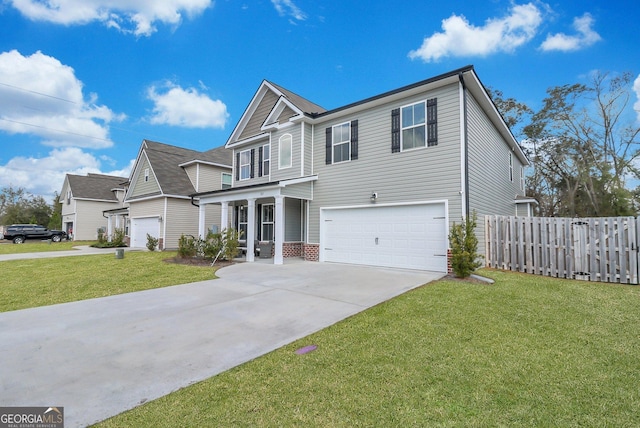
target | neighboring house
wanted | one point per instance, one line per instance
(376, 182)
(85, 198)
(161, 182)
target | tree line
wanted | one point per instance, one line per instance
(583, 146)
(17, 206)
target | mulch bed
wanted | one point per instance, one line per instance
(469, 280)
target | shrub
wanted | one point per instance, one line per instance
(152, 242)
(118, 238)
(231, 240)
(187, 246)
(464, 247)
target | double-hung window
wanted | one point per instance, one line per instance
(267, 222)
(413, 126)
(226, 180)
(245, 165)
(341, 142)
(242, 221)
(266, 159)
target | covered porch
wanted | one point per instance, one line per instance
(275, 212)
(117, 219)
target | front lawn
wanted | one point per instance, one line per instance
(527, 351)
(41, 282)
(37, 246)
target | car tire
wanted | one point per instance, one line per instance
(56, 238)
(18, 239)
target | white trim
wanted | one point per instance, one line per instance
(249, 140)
(302, 149)
(197, 177)
(511, 167)
(164, 222)
(271, 122)
(240, 165)
(463, 138)
(285, 183)
(196, 161)
(222, 174)
(268, 174)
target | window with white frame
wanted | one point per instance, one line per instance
(245, 165)
(523, 183)
(267, 222)
(413, 126)
(146, 175)
(285, 151)
(226, 180)
(68, 197)
(242, 221)
(510, 166)
(266, 159)
(341, 142)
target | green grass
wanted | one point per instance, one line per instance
(36, 246)
(527, 351)
(41, 282)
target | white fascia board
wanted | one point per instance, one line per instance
(271, 122)
(196, 161)
(242, 194)
(293, 181)
(526, 201)
(248, 113)
(250, 140)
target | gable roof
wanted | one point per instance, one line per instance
(167, 163)
(95, 186)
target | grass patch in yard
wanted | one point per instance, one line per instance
(36, 246)
(41, 282)
(527, 351)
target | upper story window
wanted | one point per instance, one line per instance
(264, 163)
(68, 197)
(342, 142)
(226, 180)
(285, 151)
(522, 181)
(146, 175)
(245, 165)
(511, 167)
(414, 126)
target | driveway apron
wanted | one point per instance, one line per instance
(100, 357)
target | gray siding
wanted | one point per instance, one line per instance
(256, 179)
(181, 219)
(490, 189)
(210, 178)
(192, 173)
(300, 190)
(293, 220)
(425, 174)
(260, 114)
(294, 171)
(140, 187)
(307, 154)
(89, 218)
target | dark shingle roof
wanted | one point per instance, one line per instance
(302, 103)
(166, 160)
(95, 186)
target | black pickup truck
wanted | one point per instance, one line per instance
(18, 233)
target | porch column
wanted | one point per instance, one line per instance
(224, 215)
(109, 228)
(251, 229)
(279, 230)
(201, 221)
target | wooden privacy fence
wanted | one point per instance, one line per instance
(592, 249)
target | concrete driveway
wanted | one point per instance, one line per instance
(100, 357)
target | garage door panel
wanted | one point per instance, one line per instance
(140, 227)
(408, 236)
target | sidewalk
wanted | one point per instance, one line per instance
(80, 250)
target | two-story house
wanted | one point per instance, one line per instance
(376, 182)
(85, 198)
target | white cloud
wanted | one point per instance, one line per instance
(129, 16)
(40, 96)
(188, 108)
(636, 88)
(562, 42)
(45, 175)
(288, 8)
(460, 38)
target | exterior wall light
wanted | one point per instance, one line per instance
(374, 196)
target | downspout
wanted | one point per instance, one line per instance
(465, 140)
(193, 202)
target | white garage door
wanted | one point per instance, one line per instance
(402, 236)
(139, 229)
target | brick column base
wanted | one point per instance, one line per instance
(311, 252)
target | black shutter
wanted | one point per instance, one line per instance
(238, 166)
(395, 130)
(432, 122)
(260, 161)
(253, 155)
(328, 156)
(354, 139)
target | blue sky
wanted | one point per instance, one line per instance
(84, 82)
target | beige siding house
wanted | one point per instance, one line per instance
(161, 182)
(85, 198)
(376, 182)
